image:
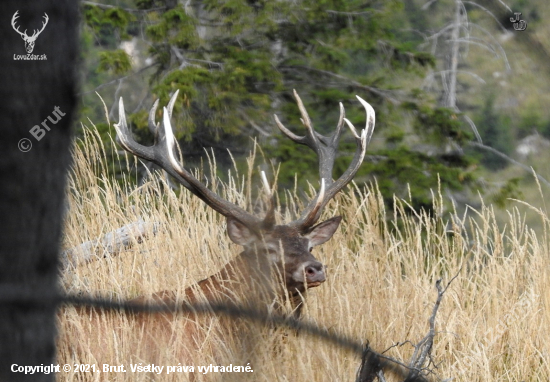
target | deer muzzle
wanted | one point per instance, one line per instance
(315, 274)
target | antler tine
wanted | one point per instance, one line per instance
(340, 126)
(312, 217)
(362, 143)
(170, 141)
(371, 117)
(162, 154)
(153, 126)
(327, 154)
(125, 139)
(269, 219)
(267, 188)
(172, 102)
(311, 139)
(288, 133)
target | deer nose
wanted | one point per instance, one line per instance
(315, 273)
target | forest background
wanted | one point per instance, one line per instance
(451, 82)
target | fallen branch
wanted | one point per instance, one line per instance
(110, 244)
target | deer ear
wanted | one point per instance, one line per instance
(323, 231)
(239, 233)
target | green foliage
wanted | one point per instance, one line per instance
(295, 161)
(509, 191)
(118, 18)
(422, 173)
(93, 15)
(174, 28)
(140, 122)
(116, 62)
(439, 125)
(402, 55)
(107, 23)
(495, 132)
(532, 122)
(149, 4)
(235, 63)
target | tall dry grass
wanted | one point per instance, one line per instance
(493, 324)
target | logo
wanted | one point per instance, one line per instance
(519, 25)
(29, 40)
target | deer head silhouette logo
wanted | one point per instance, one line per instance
(29, 40)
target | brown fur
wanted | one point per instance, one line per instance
(275, 269)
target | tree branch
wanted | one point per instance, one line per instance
(349, 81)
(117, 79)
(106, 6)
(504, 156)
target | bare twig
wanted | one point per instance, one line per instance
(424, 348)
(460, 71)
(117, 94)
(117, 79)
(474, 127)
(370, 12)
(370, 366)
(426, 6)
(504, 156)
(489, 12)
(349, 81)
(254, 125)
(131, 10)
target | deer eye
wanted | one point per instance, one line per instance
(310, 249)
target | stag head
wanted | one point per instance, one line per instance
(29, 40)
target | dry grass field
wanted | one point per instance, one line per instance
(493, 323)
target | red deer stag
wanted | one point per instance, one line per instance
(276, 263)
(285, 249)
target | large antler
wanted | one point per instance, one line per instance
(326, 148)
(162, 153)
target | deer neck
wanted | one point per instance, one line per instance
(246, 279)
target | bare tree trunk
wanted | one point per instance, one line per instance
(37, 103)
(455, 34)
